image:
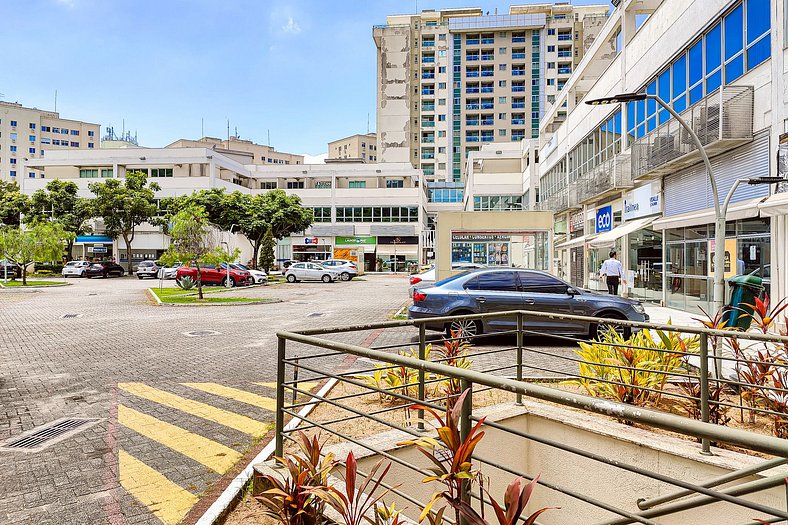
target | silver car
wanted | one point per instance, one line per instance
(75, 269)
(309, 271)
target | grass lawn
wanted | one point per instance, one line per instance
(178, 296)
(31, 283)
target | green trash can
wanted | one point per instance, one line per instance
(744, 290)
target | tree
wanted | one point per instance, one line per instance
(42, 242)
(13, 203)
(124, 205)
(193, 242)
(60, 203)
(267, 248)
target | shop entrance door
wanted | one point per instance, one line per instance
(576, 266)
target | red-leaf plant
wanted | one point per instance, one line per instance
(450, 455)
(290, 500)
(515, 500)
(763, 316)
(355, 503)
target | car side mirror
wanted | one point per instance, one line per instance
(571, 291)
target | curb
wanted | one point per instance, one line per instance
(33, 287)
(223, 503)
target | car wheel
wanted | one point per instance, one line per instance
(231, 281)
(326, 278)
(464, 328)
(597, 329)
(345, 276)
(291, 278)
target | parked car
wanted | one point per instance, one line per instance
(210, 274)
(9, 269)
(169, 272)
(148, 269)
(75, 269)
(308, 271)
(104, 269)
(427, 278)
(491, 290)
(347, 269)
(259, 276)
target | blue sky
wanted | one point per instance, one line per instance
(303, 69)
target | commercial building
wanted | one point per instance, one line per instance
(259, 154)
(627, 176)
(27, 133)
(451, 80)
(355, 148)
(369, 212)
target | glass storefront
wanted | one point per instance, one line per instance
(690, 282)
(645, 262)
(522, 249)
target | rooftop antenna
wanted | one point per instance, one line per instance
(236, 131)
(228, 131)
(202, 126)
(367, 122)
(269, 136)
(123, 129)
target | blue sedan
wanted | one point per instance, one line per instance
(492, 290)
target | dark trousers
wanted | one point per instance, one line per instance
(612, 284)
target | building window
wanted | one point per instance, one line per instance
(161, 172)
(89, 173)
(441, 118)
(295, 185)
(501, 132)
(106, 173)
(32, 125)
(377, 214)
(442, 53)
(75, 144)
(90, 145)
(441, 69)
(395, 184)
(12, 173)
(13, 123)
(90, 133)
(31, 138)
(441, 85)
(551, 82)
(357, 184)
(64, 131)
(551, 32)
(550, 49)
(321, 214)
(551, 65)
(501, 67)
(13, 148)
(502, 100)
(32, 151)
(12, 161)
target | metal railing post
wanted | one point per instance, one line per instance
(422, 357)
(280, 396)
(294, 397)
(465, 428)
(704, 389)
(519, 353)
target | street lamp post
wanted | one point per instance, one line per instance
(5, 258)
(719, 213)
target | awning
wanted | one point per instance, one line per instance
(579, 241)
(777, 204)
(99, 239)
(609, 238)
(741, 210)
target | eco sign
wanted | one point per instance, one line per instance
(604, 219)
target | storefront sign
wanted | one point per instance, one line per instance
(403, 239)
(576, 222)
(99, 249)
(356, 240)
(311, 240)
(730, 255)
(641, 202)
(604, 219)
(479, 237)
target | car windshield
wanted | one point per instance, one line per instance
(241, 266)
(72, 264)
(146, 263)
(452, 278)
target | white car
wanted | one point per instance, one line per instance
(169, 272)
(308, 271)
(427, 278)
(75, 269)
(259, 276)
(347, 269)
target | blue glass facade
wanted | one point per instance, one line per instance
(736, 43)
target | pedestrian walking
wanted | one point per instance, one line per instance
(613, 272)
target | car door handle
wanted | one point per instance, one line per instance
(528, 301)
(480, 299)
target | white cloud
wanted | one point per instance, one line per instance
(291, 26)
(315, 159)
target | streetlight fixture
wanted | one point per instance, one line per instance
(719, 211)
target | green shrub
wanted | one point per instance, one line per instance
(186, 283)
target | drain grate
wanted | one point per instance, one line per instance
(47, 435)
(70, 316)
(201, 333)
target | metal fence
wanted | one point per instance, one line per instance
(715, 375)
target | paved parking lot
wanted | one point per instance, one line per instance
(175, 412)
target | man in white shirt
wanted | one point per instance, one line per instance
(613, 272)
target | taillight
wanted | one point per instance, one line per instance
(419, 296)
(414, 279)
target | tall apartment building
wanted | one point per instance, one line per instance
(355, 148)
(259, 153)
(453, 79)
(27, 133)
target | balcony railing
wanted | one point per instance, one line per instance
(722, 120)
(611, 176)
(487, 105)
(427, 123)
(471, 58)
(564, 70)
(518, 89)
(489, 89)
(515, 56)
(427, 155)
(487, 122)
(516, 39)
(472, 42)
(518, 72)
(471, 139)
(520, 121)
(489, 41)
(428, 107)
(428, 43)
(471, 106)
(428, 140)
(488, 73)
(428, 60)
(564, 54)
(518, 105)
(487, 138)
(427, 91)
(428, 75)
(471, 73)
(556, 203)
(563, 37)
(472, 122)
(471, 90)
(488, 57)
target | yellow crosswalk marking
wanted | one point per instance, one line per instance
(305, 385)
(233, 393)
(213, 455)
(167, 500)
(195, 408)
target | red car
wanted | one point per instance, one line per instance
(211, 274)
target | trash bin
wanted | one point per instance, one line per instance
(744, 290)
